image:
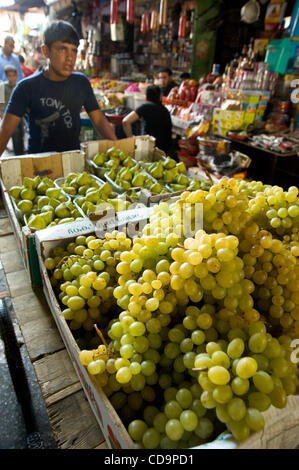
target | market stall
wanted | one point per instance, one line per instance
(64, 247)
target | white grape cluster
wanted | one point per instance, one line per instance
(273, 266)
(275, 210)
(84, 275)
(188, 335)
(233, 380)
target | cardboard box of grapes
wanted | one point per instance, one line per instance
(281, 425)
(13, 171)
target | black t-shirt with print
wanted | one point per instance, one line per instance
(157, 123)
(53, 110)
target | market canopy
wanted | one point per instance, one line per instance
(21, 5)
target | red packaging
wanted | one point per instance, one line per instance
(130, 11)
(182, 26)
(114, 12)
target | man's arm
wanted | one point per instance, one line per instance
(102, 125)
(8, 126)
(127, 123)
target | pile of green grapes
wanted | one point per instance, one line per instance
(188, 336)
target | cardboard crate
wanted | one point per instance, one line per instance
(281, 426)
(139, 147)
(13, 170)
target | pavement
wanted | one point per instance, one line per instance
(24, 421)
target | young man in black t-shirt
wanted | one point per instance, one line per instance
(53, 98)
(156, 117)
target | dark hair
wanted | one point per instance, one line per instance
(8, 38)
(166, 70)
(153, 93)
(184, 75)
(60, 31)
(10, 68)
(21, 59)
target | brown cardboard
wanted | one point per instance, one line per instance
(52, 165)
(139, 147)
(93, 147)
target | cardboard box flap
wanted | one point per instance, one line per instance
(139, 147)
(11, 172)
(128, 145)
(73, 162)
(51, 164)
(144, 148)
(90, 149)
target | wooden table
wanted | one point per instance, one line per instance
(71, 418)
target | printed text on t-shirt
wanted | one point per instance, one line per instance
(54, 103)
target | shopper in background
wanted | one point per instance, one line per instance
(27, 71)
(156, 117)
(166, 81)
(18, 135)
(7, 57)
(39, 59)
(54, 98)
(185, 76)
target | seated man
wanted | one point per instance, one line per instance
(156, 117)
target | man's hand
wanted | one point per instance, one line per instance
(104, 127)
(8, 126)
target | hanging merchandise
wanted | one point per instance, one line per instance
(145, 23)
(130, 11)
(163, 13)
(274, 14)
(182, 26)
(154, 26)
(250, 12)
(114, 12)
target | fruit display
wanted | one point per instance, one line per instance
(101, 199)
(167, 174)
(108, 84)
(188, 330)
(124, 173)
(171, 174)
(43, 204)
(77, 184)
